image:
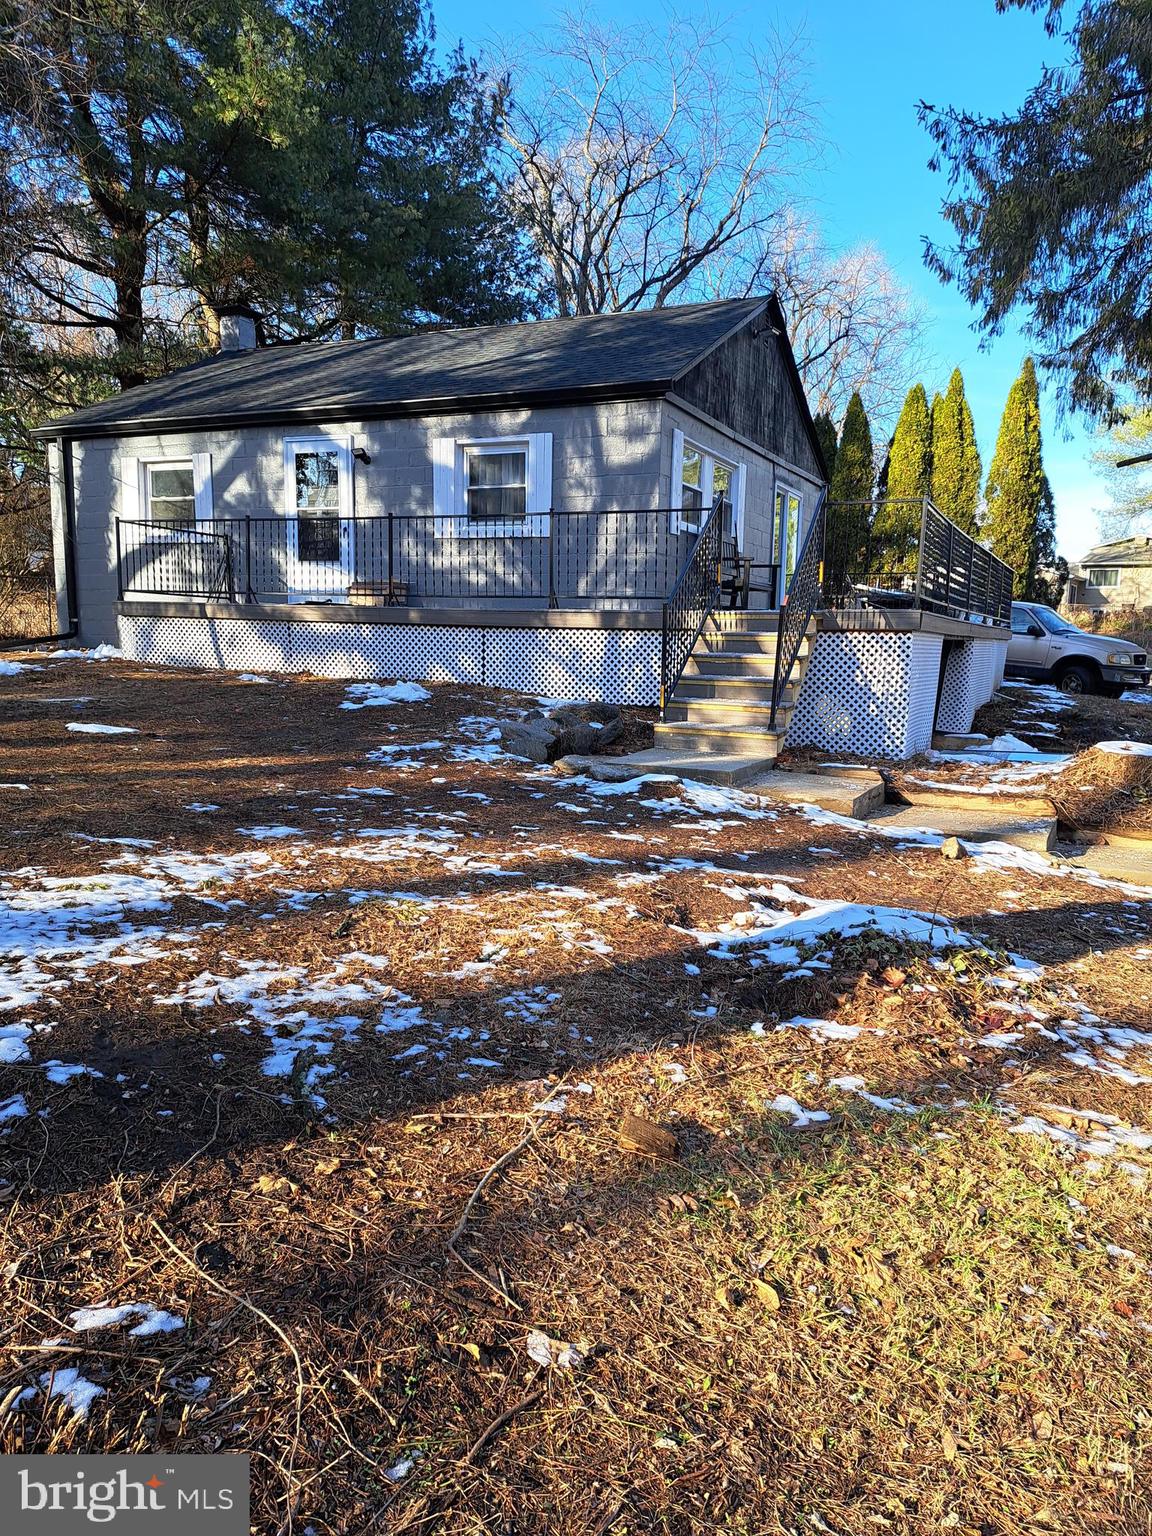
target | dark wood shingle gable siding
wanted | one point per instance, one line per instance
(746, 384)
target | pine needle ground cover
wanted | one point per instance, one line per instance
(319, 1031)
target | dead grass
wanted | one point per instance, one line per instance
(885, 1321)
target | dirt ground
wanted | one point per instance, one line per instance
(317, 1027)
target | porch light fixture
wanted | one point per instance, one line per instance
(362, 455)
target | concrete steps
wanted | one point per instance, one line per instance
(1037, 834)
(723, 702)
(856, 796)
(707, 767)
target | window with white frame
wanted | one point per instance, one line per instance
(487, 485)
(168, 490)
(495, 482)
(318, 492)
(1104, 576)
(699, 476)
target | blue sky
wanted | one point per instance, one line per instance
(870, 65)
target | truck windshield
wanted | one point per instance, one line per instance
(1052, 621)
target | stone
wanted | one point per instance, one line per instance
(532, 737)
(953, 848)
(570, 729)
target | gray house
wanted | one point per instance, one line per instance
(615, 506)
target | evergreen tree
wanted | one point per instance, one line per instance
(826, 436)
(956, 468)
(896, 529)
(1051, 574)
(160, 161)
(1015, 491)
(850, 497)
(1049, 202)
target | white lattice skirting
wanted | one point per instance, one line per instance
(619, 666)
(874, 694)
(972, 673)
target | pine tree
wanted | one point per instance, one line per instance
(826, 436)
(896, 528)
(956, 468)
(1015, 490)
(850, 497)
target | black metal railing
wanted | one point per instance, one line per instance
(804, 596)
(904, 553)
(691, 602)
(408, 559)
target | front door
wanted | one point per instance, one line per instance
(318, 553)
(786, 539)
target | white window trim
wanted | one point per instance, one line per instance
(135, 483)
(708, 461)
(322, 441)
(449, 480)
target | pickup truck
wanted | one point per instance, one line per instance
(1047, 648)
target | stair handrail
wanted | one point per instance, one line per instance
(690, 604)
(803, 597)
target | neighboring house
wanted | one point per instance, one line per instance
(561, 507)
(1112, 576)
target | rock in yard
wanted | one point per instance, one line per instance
(572, 728)
(953, 848)
(646, 1140)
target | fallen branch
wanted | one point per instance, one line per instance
(498, 1424)
(458, 1230)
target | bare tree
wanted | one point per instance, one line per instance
(661, 166)
(641, 158)
(852, 324)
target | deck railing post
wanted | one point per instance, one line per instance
(924, 506)
(119, 566)
(248, 589)
(391, 556)
(553, 601)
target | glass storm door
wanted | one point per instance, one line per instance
(319, 547)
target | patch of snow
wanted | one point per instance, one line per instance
(400, 1469)
(373, 695)
(269, 834)
(13, 668)
(76, 1390)
(251, 677)
(14, 1108)
(101, 730)
(1126, 748)
(827, 1029)
(153, 1319)
(97, 653)
(784, 1104)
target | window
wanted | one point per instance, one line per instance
(170, 492)
(488, 486)
(176, 490)
(318, 492)
(1022, 620)
(1104, 576)
(698, 477)
(496, 483)
(691, 486)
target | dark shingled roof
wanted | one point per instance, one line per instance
(640, 352)
(1120, 552)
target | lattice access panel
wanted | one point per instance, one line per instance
(619, 666)
(869, 693)
(972, 673)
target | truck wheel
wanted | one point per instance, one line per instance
(1077, 678)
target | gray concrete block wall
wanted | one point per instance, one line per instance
(603, 455)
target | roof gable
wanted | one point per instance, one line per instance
(1121, 552)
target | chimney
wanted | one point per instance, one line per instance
(237, 328)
